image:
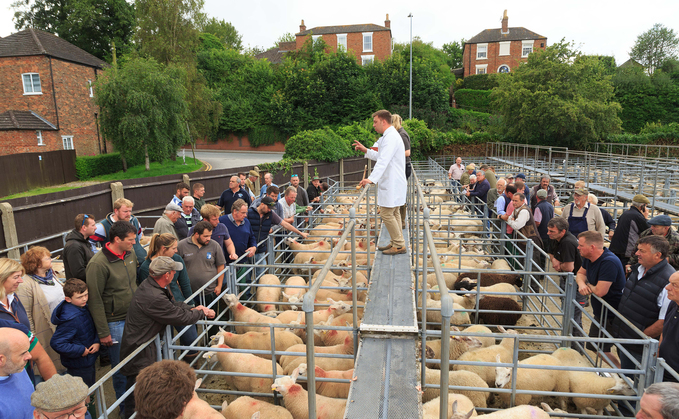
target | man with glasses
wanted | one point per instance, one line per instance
(78, 250)
(60, 397)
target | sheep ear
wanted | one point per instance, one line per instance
(225, 405)
(501, 329)
(198, 383)
(295, 374)
(330, 317)
(455, 408)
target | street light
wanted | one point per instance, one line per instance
(410, 107)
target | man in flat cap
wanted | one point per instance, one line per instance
(470, 170)
(165, 224)
(152, 308)
(630, 226)
(661, 225)
(583, 216)
(62, 396)
(250, 182)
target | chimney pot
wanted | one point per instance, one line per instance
(302, 27)
(387, 23)
(505, 23)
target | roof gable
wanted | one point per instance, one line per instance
(36, 42)
(496, 35)
(324, 30)
(29, 120)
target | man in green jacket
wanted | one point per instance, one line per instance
(111, 282)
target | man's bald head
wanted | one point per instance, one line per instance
(14, 352)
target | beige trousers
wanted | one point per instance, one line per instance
(391, 217)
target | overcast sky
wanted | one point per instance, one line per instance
(597, 26)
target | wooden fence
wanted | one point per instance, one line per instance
(26, 171)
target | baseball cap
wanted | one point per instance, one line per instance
(316, 178)
(173, 207)
(58, 393)
(660, 220)
(582, 191)
(520, 176)
(253, 173)
(641, 199)
(163, 264)
(268, 202)
(542, 193)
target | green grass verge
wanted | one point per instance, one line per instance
(40, 191)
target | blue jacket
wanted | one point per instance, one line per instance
(75, 332)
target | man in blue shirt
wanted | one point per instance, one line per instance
(268, 181)
(231, 195)
(15, 385)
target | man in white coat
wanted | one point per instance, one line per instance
(389, 174)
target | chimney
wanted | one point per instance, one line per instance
(505, 22)
(387, 23)
(302, 27)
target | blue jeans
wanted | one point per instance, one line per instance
(119, 380)
(188, 337)
(259, 271)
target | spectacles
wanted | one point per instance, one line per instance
(85, 217)
(77, 413)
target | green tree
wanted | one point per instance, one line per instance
(655, 46)
(143, 109)
(225, 31)
(93, 25)
(288, 37)
(558, 97)
(454, 50)
(438, 60)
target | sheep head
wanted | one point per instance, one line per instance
(230, 299)
(289, 240)
(471, 341)
(502, 374)
(283, 384)
(459, 415)
(620, 387)
(340, 307)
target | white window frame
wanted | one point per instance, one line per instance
(483, 67)
(38, 134)
(367, 59)
(340, 43)
(504, 65)
(485, 51)
(366, 35)
(507, 45)
(524, 45)
(315, 38)
(67, 142)
(32, 77)
(89, 86)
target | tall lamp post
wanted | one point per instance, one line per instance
(410, 107)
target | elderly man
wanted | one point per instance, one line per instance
(290, 206)
(302, 196)
(152, 308)
(60, 397)
(189, 217)
(220, 233)
(181, 190)
(389, 174)
(549, 189)
(455, 173)
(197, 194)
(232, 194)
(250, 182)
(608, 219)
(543, 213)
(165, 224)
(631, 224)
(660, 401)
(644, 300)
(239, 229)
(494, 193)
(15, 384)
(601, 274)
(470, 170)
(481, 188)
(78, 249)
(583, 216)
(669, 341)
(122, 211)
(661, 225)
(268, 181)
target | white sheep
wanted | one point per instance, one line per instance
(488, 354)
(271, 295)
(458, 345)
(247, 407)
(261, 340)
(328, 388)
(243, 314)
(434, 316)
(518, 412)
(432, 409)
(291, 362)
(501, 265)
(293, 293)
(532, 379)
(297, 400)
(456, 378)
(486, 341)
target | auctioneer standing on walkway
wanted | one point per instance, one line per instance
(389, 174)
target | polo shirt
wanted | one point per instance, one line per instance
(241, 235)
(669, 347)
(606, 268)
(566, 250)
(229, 197)
(16, 391)
(201, 263)
(219, 234)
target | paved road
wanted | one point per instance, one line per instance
(229, 159)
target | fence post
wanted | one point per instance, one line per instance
(341, 173)
(258, 186)
(306, 174)
(186, 179)
(10, 229)
(117, 192)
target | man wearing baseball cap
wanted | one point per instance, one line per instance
(62, 396)
(661, 225)
(152, 308)
(630, 226)
(583, 216)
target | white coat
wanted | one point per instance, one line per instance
(389, 172)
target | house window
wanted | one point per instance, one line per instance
(504, 47)
(315, 38)
(504, 68)
(39, 135)
(31, 84)
(89, 86)
(342, 41)
(368, 42)
(482, 69)
(367, 59)
(481, 51)
(526, 48)
(67, 140)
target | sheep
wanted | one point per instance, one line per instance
(336, 308)
(432, 409)
(434, 313)
(498, 304)
(518, 412)
(269, 294)
(488, 279)
(261, 340)
(532, 379)
(247, 315)
(291, 362)
(500, 265)
(296, 246)
(481, 329)
(449, 277)
(501, 287)
(458, 345)
(297, 400)
(488, 354)
(457, 298)
(327, 388)
(293, 293)
(456, 378)
(247, 407)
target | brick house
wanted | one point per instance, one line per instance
(500, 50)
(46, 96)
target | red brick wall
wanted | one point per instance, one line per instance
(494, 60)
(381, 44)
(75, 107)
(234, 142)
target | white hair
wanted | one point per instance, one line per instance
(592, 199)
(188, 200)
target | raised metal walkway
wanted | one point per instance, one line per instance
(386, 370)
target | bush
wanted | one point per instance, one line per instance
(473, 100)
(321, 144)
(265, 135)
(357, 132)
(421, 138)
(481, 81)
(88, 167)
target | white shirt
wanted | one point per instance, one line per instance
(389, 172)
(520, 221)
(662, 301)
(288, 210)
(10, 298)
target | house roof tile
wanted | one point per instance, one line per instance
(20, 120)
(36, 42)
(323, 30)
(496, 35)
(274, 55)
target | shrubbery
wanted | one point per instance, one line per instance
(321, 144)
(88, 167)
(480, 81)
(265, 135)
(473, 100)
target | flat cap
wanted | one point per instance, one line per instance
(541, 194)
(520, 176)
(660, 220)
(173, 207)
(253, 173)
(163, 264)
(58, 393)
(582, 191)
(641, 199)
(470, 166)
